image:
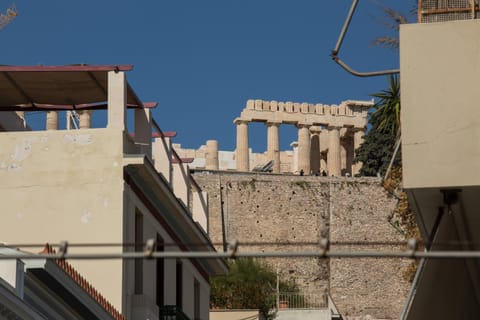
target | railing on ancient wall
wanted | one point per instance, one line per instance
(430, 11)
(295, 300)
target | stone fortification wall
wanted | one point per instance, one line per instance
(271, 209)
(285, 212)
(360, 212)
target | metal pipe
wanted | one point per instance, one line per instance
(421, 265)
(222, 214)
(413, 289)
(397, 145)
(336, 50)
(345, 27)
(364, 74)
(313, 244)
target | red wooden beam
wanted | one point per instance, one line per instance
(84, 106)
(168, 134)
(182, 160)
(127, 67)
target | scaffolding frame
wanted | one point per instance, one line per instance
(430, 11)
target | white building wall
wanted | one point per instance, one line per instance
(181, 183)
(151, 227)
(162, 156)
(200, 209)
(190, 274)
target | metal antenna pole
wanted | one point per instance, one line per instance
(336, 50)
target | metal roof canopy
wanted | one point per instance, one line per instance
(72, 87)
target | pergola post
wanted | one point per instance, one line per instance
(117, 99)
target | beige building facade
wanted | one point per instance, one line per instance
(104, 185)
(439, 65)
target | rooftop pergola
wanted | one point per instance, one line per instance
(55, 88)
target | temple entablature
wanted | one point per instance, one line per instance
(349, 113)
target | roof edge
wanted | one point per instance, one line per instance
(66, 68)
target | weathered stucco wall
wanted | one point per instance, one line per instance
(65, 185)
(277, 211)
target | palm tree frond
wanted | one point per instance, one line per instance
(387, 107)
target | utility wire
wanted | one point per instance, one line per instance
(323, 251)
(452, 243)
(218, 255)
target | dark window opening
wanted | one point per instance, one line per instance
(179, 284)
(160, 273)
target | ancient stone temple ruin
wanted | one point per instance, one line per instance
(328, 136)
(342, 125)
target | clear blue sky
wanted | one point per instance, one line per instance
(201, 60)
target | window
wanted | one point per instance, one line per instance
(160, 273)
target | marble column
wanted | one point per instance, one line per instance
(303, 148)
(294, 146)
(52, 120)
(357, 141)
(315, 149)
(273, 145)
(242, 156)
(85, 119)
(333, 156)
(211, 155)
(350, 152)
(21, 115)
(343, 155)
(323, 161)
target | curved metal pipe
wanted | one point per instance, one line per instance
(336, 50)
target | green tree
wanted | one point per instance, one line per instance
(384, 119)
(387, 108)
(249, 285)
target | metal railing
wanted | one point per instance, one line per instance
(447, 10)
(296, 300)
(172, 313)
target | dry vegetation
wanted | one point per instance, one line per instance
(402, 217)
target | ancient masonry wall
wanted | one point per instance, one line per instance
(288, 209)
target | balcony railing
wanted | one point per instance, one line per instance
(172, 313)
(447, 10)
(295, 300)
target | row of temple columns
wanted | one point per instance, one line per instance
(84, 119)
(116, 110)
(308, 150)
